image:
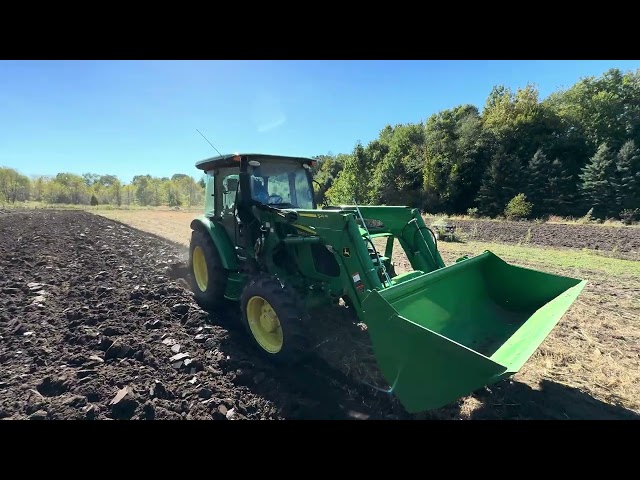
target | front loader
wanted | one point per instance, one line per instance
(438, 332)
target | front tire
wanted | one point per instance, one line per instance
(208, 276)
(274, 317)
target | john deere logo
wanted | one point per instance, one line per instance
(346, 252)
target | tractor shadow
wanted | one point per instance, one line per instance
(310, 390)
(553, 401)
(512, 400)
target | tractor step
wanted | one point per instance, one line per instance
(370, 235)
(380, 235)
(382, 259)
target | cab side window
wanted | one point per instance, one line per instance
(229, 189)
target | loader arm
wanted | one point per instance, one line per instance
(438, 332)
(341, 233)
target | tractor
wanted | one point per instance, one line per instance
(439, 332)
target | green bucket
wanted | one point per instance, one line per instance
(442, 335)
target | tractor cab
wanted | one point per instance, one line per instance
(281, 183)
(238, 186)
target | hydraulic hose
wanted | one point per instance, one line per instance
(413, 241)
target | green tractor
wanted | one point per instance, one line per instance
(438, 332)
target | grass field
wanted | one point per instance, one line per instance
(595, 348)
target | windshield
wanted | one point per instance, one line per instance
(281, 183)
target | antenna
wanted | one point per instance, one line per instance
(209, 142)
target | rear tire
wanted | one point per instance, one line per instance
(274, 317)
(208, 276)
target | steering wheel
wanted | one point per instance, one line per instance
(275, 199)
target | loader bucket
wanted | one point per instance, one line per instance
(442, 335)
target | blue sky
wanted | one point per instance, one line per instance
(137, 117)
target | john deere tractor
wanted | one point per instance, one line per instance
(438, 332)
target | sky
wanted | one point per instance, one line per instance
(132, 117)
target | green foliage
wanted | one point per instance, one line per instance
(628, 176)
(353, 180)
(454, 160)
(549, 186)
(538, 187)
(501, 181)
(603, 109)
(561, 197)
(573, 151)
(14, 187)
(599, 182)
(397, 166)
(325, 173)
(518, 121)
(107, 190)
(629, 216)
(518, 207)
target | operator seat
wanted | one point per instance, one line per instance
(247, 217)
(259, 191)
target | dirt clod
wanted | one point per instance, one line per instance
(154, 324)
(124, 404)
(117, 350)
(205, 393)
(38, 415)
(180, 309)
(178, 357)
(18, 328)
(77, 401)
(53, 387)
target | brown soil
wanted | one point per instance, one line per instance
(623, 241)
(90, 310)
(89, 313)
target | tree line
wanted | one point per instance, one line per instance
(94, 189)
(575, 152)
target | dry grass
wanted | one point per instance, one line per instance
(595, 348)
(167, 223)
(586, 368)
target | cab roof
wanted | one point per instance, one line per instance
(233, 160)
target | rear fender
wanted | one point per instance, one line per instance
(220, 240)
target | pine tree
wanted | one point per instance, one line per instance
(501, 182)
(628, 181)
(561, 191)
(598, 183)
(537, 183)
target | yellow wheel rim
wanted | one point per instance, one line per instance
(200, 269)
(264, 324)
